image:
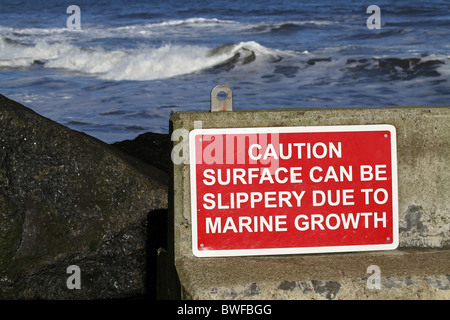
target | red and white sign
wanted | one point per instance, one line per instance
(290, 190)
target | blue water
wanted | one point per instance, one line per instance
(133, 63)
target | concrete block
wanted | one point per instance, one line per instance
(404, 274)
(418, 269)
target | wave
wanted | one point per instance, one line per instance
(229, 25)
(287, 26)
(91, 31)
(134, 64)
(190, 21)
(171, 27)
(108, 53)
(169, 60)
(157, 28)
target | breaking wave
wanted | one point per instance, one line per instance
(133, 64)
(95, 52)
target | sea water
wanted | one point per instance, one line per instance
(131, 64)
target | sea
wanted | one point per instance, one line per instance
(116, 69)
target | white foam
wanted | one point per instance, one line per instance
(190, 21)
(174, 60)
(444, 69)
(166, 28)
(171, 27)
(148, 63)
(88, 32)
(19, 55)
(159, 63)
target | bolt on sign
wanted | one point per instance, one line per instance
(293, 190)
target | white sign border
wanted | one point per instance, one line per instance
(294, 250)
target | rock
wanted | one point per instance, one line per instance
(69, 199)
(151, 148)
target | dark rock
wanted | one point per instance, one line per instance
(151, 148)
(69, 199)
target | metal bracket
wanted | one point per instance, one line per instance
(225, 104)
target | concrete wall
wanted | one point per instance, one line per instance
(423, 140)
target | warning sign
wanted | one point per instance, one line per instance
(289, 190)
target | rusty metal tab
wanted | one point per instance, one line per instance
(225, 104)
